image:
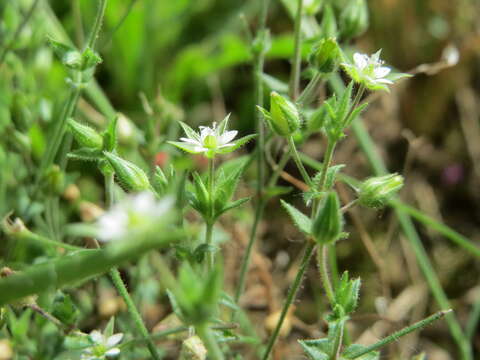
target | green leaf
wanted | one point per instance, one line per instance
(232, 205)
(110, 135)
(64, 309)
(303, 223)
(318, 349)
(354, 348)
(344, 104)
(347, 293)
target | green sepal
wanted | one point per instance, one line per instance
(86, 154)
(68, 55)
(64, 309)
(238, 144)
(85, 135)
(301, 221)
(110, 135)
(129, 175)
(328, 223)
(316, 349)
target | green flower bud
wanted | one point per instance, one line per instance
(354, 19)
(325, 56)
(377, 191)
(85, 135)
(328, 224)
(128, 174)
(284, 117)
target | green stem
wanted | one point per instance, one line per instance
(92, 38)
(132, 309)
(209, 223)
(326, 164)
(307, 95)
(208, 339)
(248, 252)
(292, 293)
(398, 334)
(297, 54)
(120, 285)
(30, 236)
(260, 153)
(322, 259)
(253, 232)
(298, 162)
(208, 241)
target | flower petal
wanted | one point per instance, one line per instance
(228, 136)
(97, 337)
(361, 60)
(114, 340)
(381, 72)
(384, 81)
(112, 352)
(190, 141)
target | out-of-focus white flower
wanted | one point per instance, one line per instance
(102, 346)
(133, 213)
(370, 71)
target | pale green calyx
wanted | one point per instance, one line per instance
(377, 191)
(284, 117)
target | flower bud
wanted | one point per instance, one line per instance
(328, 224)
(128, 174)
(377, 191)
(354, 19)
(85, 135)
(325, 55)
(284, 116)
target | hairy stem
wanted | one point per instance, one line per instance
(120, 285)
(398, 334)
(297, 54)
(292, 293)
(322, 258)
(259, 61)
(298, 162)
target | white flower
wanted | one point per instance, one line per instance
(369, 71)
(134, 212)
(210, 139)
(102, 346)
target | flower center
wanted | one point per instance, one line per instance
(210, 142)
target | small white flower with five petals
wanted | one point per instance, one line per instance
(210, 140)
(102, 346)
(370, 71)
